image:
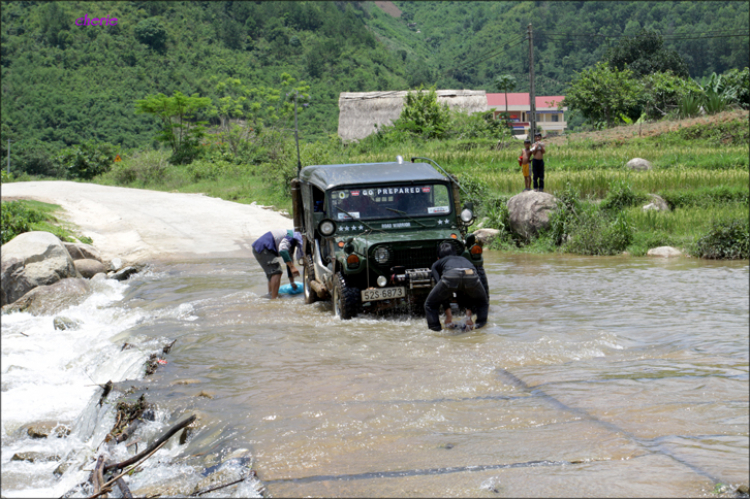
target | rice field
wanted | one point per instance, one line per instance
(596, 183)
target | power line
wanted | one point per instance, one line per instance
(487, 55)
(678, 36)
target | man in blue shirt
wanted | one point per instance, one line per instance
(456, 274)
(275, 245)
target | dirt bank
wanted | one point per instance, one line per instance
(139, 226)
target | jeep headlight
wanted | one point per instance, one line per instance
(327, 227)
(382, 255)
(467, 215)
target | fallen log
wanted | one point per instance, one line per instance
(153, 446)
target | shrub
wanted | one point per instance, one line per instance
(87, 160)
(16, 219)
(143, 166)
(594, 232)
(689, 106)
(621, 196)
(208, 170)
(725, 240)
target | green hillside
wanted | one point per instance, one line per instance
(469, 43)
(65, 85)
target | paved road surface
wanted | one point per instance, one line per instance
(138, 225)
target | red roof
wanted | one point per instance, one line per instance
(522, 99)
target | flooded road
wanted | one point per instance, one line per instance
(594, 377)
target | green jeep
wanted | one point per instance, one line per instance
(371, 232)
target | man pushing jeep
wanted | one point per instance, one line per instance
(456, 274)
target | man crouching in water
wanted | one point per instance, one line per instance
(456, 274)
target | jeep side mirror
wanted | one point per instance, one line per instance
(467, 214)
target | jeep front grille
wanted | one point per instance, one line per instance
(412, 258)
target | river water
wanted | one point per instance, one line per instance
(594, 377)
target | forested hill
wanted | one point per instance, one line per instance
(64, 84)
(467, 44)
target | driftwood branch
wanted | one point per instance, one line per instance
(206, 491)
(153, 446)
(97, 475)
(124, 488)
(125, 472)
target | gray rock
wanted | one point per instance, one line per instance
(33, 457)
(62, 323)
(485, 236)
(43, 429)
(45, 300)
(33, 259)
(82, 251)
(529, 212)
(89, 267)
(115, 264)
(122, 275)
(664, 251)
(639, 164)
(656, 203)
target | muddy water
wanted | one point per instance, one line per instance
(595, 377)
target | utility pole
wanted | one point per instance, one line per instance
(8, 170)
(296, 138)
(532, 93)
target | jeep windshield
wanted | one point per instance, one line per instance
(384, 202)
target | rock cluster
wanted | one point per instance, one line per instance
(41, 274)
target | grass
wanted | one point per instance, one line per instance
(26, 216)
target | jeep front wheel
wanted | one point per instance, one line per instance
(308, 275)
(345, 299)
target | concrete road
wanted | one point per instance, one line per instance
(138, 225)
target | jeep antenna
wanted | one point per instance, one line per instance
(450, 177)
(296, 137)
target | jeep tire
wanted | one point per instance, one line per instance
(308, 274)
(346, 300)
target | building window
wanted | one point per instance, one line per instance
(555, 117)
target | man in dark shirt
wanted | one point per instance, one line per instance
(456, 274)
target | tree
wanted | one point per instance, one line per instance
(176, 114)
(423, 115)
(602, 93)
(662, 91)
(151, 32)
(645, 54)
(505, 83)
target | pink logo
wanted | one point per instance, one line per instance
(425, 189)
(96, 21)
(355, 193)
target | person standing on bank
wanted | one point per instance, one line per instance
(275, 245)
(456, 274)
(537, 162)
(525, 159)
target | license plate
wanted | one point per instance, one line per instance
(383, 294)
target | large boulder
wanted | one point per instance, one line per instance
(33, 259)
(639, 164)
(89, 267)
(664, 252)
(657, 203)
(44, 300)
(82, 251)
(529, 212)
